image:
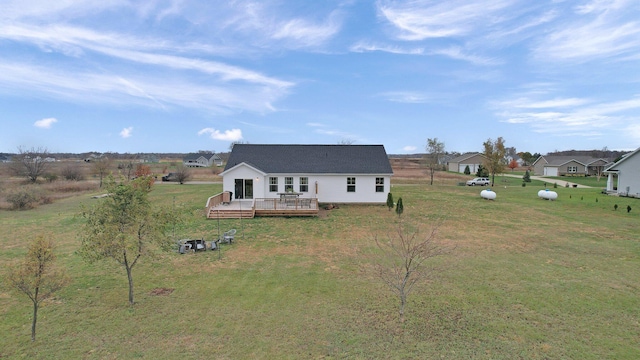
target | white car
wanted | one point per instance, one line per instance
(479, 181)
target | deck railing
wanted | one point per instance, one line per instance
(286, 204)
(261, 207)
(214, 201)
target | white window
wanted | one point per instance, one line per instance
(351, 184)
(379, 184)
(288, 184)
(572, 169)
(273, 184)
(304, 184)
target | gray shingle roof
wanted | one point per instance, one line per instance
(312, 159)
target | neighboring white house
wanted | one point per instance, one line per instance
(202, 159)
(330, 173)
(627, 170)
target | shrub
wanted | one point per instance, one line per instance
(22, 200)
(50, 177)
(527, 177)
(524, 184)
(467, 171)
(73, 173)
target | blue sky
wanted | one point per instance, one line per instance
(182, 76)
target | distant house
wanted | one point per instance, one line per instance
(627, 172)
(472, 160)
(202, 159)
(554, 165)
(328, 173)
(509, 158)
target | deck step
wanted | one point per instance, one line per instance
(230, 214)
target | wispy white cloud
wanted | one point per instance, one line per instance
(599, 30)
(568, 116)
(142, 89)
(45, 123)
(227, 135)
(363, 46)
(305, 33)
(457, 53)
(126, 132)
(409, 148)
(407, 97)
(423, 19)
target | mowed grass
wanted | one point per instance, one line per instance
(528, 278)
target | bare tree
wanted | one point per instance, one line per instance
(101, 166)
(403, 257)
(182, 173)
(494, 152)
(235, 143)
(37, 276)
(435, 150)
(30, 163)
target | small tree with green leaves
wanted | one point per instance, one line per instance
(124, 226)
(467, 171)
(494, 152)
(399, 207)
(526, 177)
(390, 201)
(37, 276)
(482, 171)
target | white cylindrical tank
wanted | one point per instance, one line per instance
(547, 195)
(488, 194)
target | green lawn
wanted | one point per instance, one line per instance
(528, 279)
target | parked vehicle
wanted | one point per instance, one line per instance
(479, 181)
(169, 177)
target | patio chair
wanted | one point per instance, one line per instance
(201, 245)
(183, 247)
(214, 244)
(229, 236)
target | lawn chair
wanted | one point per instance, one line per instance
(214, 244)
(228, 236)
(201, 245)
(183, 247)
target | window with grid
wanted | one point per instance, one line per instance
(351, 184)
(273, 184)
(288, 184)
(304, 184)
(379, 184)
(572, 169)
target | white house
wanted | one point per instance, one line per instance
(627, 170)
(202, 159)
(328, 173)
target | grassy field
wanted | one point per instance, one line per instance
(528, 278)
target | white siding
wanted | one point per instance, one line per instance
(629, 176)
(331, 188)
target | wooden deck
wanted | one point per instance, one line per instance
(236, 209)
